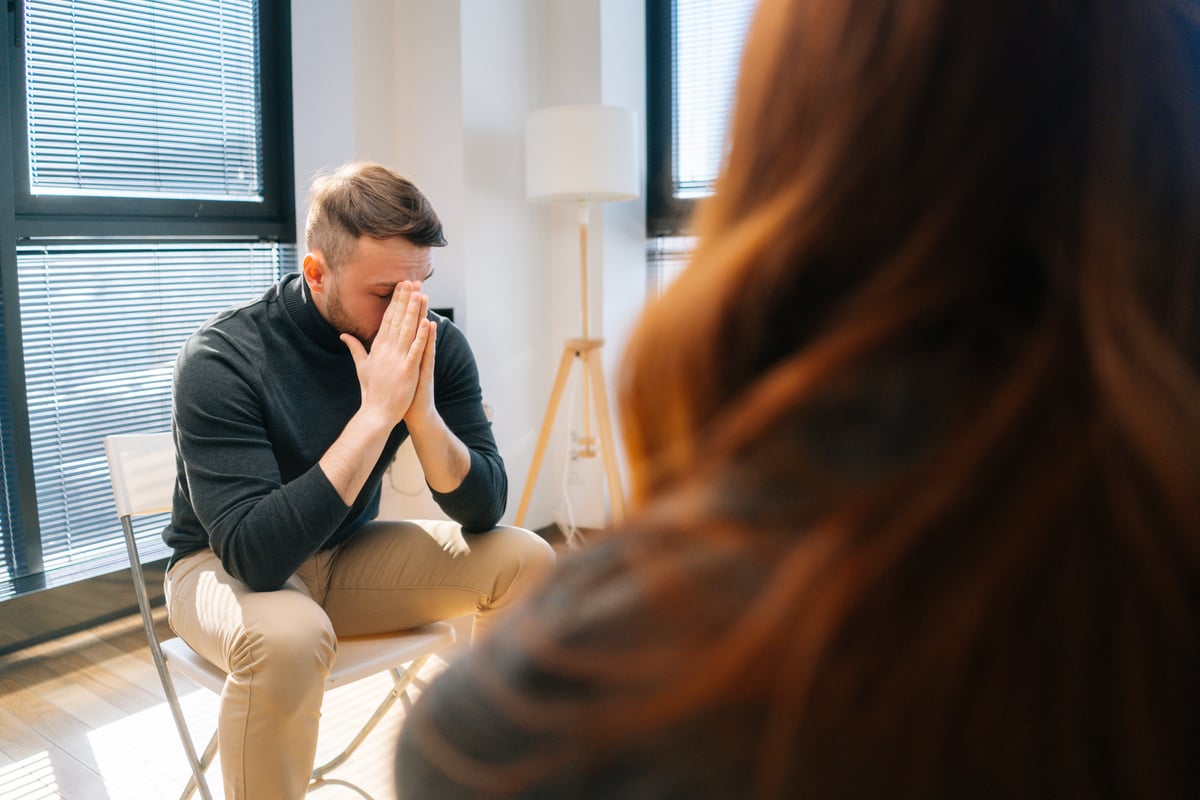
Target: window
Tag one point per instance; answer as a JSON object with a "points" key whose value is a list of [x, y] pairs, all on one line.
{"points": [[118, 106], [693, 50], [666, 257], [99, 354], [150, 147]]}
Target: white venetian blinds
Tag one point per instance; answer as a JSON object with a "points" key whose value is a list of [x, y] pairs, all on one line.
{"points": [[154, 172], [143, 98], [707, 46], [101, 327]]}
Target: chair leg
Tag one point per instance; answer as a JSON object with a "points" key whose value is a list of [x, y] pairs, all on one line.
{"points": [[210, 752], [400, 684], [197, 779], [160, 664]]}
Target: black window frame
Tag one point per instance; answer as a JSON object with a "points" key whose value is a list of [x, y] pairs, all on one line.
{"points": [[103, 217], [666, 215], [28, 219]]}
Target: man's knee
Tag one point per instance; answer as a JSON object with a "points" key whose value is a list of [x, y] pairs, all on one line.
{"points": [[525, 545], [521, 556], [297, 638]]}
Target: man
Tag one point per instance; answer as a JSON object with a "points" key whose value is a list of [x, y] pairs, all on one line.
{"points": [[287, 411]]}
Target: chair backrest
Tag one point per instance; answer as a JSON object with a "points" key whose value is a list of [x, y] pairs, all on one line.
{"points": [[141, 467]]}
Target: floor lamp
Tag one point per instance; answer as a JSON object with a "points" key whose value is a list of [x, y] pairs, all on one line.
{"points": [[582, 155]]}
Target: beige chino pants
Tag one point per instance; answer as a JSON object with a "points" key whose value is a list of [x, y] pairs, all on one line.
{"points": [[278, 647]]}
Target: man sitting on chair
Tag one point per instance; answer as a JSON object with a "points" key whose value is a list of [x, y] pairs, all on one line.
{"points": [[287, 411]]}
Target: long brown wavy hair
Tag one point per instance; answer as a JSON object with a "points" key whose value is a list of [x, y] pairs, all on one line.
{"points": [[938, 344], [915, 438]]}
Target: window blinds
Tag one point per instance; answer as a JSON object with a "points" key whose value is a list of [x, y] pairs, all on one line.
{"points": [[128, 108], [10, 555], [143, 98], [102, 326], [666, 258], [707, 46]]}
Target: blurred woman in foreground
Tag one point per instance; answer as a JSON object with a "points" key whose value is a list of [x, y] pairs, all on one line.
{"points": [[915, 441]]}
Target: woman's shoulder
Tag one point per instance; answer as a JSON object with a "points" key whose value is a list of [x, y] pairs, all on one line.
{"points": [[533, 697]]}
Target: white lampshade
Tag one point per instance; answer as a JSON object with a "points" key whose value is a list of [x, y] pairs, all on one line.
{"points": [[581, 153]]}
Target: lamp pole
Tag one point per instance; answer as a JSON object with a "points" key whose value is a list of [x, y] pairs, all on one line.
{"points": [[586, 441], [583, 154], [585, 351]]}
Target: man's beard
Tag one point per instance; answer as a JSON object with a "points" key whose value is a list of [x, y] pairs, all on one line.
{"points": [[341, 321]]}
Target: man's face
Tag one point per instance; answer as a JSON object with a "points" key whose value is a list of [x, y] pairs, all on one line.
{"points": [[358, 292]]}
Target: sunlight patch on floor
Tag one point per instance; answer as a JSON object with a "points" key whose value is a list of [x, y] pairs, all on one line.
{"points": [[31, 778], [141, 754]]}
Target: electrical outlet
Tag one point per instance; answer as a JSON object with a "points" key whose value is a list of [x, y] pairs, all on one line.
{"points": [[585, 488], [575, 471]]}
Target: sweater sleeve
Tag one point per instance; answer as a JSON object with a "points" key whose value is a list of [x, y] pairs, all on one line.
{"points": [[261, 528], [479, 501]]}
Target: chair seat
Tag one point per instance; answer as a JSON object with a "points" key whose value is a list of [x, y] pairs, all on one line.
{"points": [[142, 472], [357, 656]]}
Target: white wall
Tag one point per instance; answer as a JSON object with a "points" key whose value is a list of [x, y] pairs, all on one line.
{"points": [[439, 91], [323, 105]]}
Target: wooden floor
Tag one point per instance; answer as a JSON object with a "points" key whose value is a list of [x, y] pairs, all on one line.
{"points": [[83, 718]]}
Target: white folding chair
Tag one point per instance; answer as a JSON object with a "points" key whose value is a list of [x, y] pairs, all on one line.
{"points": [[141, 467]]}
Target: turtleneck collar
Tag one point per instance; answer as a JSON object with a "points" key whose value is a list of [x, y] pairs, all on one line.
{"points": [[300, 307]]}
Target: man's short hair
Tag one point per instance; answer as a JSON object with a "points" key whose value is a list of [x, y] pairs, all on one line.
{"points": [[364, 199]]}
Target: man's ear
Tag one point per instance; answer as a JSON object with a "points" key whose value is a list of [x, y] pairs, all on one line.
{"points": [[316, 272]]}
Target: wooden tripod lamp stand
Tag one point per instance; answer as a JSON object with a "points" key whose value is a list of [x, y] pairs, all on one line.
{"points": [[582, 155]]}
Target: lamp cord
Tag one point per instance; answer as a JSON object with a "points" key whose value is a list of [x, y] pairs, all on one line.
{"points": [[574, 536]]}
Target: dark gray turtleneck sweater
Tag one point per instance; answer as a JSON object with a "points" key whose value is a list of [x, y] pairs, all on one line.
{"points": [[261, 392]]}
